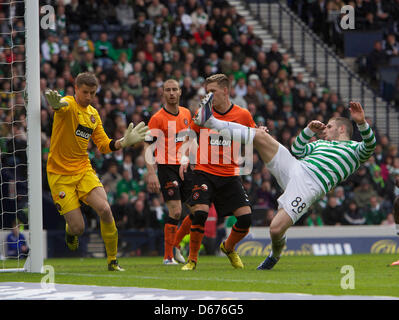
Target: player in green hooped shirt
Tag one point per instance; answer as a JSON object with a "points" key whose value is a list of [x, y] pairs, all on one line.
{"points": [[313, 168]]}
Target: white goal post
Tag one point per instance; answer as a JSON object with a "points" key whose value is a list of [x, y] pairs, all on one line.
{"points": [[34, 234], [34, 262]]}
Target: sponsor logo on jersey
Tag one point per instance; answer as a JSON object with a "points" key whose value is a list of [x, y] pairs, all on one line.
{"points": [[84, 132], [179, 139], [216, 140], [92, 119]]}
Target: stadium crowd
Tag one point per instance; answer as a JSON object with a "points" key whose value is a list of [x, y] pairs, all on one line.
{"points": [[323, 16], [132, 47]]}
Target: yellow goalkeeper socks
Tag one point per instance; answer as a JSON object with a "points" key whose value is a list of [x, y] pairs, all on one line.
{"points": [[109, 234]]}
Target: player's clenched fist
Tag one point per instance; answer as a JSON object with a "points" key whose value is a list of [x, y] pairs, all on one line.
{"points": [[54, 99], [134, 135], [316, 126]]}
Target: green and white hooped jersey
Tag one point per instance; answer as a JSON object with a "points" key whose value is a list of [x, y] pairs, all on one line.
{"points": [[331, 162]]}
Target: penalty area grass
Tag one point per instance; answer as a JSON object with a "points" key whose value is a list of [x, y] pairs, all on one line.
{"points": [[371, 275]]}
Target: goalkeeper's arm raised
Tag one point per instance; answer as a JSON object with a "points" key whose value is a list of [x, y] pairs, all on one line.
{"points": [[54, 100]]}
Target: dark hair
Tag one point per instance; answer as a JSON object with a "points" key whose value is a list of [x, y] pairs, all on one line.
{"points": [[87, 78]]}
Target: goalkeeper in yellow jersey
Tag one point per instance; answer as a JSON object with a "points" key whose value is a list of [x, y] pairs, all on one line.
{"points": [[70, 174]]}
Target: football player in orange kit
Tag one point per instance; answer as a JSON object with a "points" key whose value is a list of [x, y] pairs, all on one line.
{"points": [[219, 182], [70, 174], [170, 128]]}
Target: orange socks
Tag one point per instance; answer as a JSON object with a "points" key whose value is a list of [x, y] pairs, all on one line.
{"points": [[183, 230], [236, 235], [169, 239], [196, 236]]}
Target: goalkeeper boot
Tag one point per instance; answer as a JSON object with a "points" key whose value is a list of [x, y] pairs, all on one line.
{"points": [[178, 255], [233, 256], [72, 242], [204, 111], [114, 266], [268, 263], [190, 265]]}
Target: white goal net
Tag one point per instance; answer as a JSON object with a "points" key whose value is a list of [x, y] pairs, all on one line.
{"points": [[20, 150]]}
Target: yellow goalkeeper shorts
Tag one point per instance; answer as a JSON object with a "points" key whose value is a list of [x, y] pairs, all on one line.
{"points": [[68, 190]]}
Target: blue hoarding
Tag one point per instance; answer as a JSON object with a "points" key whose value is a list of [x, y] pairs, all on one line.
{"points": [[322, 246]]}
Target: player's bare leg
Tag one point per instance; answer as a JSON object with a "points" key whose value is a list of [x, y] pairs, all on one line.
{"points": [[170, 229], [266, 145], [74, 228], [97, 199], [396, 218], [278, 227]]}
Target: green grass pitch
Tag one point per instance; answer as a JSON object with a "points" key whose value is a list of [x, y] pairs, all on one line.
{"points": [[373, 275]]}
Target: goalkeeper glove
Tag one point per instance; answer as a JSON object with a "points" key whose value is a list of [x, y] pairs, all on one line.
{"points": [[54, 99], [134, 135]]}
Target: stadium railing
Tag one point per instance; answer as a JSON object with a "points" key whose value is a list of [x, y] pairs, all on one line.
{"points": [[324, 64]]}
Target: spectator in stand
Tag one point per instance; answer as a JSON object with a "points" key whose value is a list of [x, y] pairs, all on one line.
{"points": [[142, 218], [104, 51], [373, 211], [314, 219], [265, 197], [332, 213], [352, 215], [154, 9], [50, 47], [124, 13], [16, 243], [122, 210], [391, 46], [363, 193]]}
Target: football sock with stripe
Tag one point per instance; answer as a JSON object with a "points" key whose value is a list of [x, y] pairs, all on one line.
{"points": [[197, 234], [109, 233], [170, 230], [183, 230], [239, 230]]}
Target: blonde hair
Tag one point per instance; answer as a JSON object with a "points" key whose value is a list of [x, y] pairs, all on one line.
{"points": [[221, 79]]}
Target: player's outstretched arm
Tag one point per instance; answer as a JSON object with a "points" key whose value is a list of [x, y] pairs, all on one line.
{"points": [[54, 99], [367, 146], [134, 135], [357, 112]]}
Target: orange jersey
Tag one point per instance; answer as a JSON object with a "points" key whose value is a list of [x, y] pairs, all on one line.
{"points": [[73, 126], [217, 155], [170, 131]]}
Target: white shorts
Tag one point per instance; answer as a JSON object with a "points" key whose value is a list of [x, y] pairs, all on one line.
{"points": [[300, 188]]}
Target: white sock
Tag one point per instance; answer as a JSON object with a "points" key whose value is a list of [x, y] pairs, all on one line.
{"points": [[235, 131], [277, 247]]}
